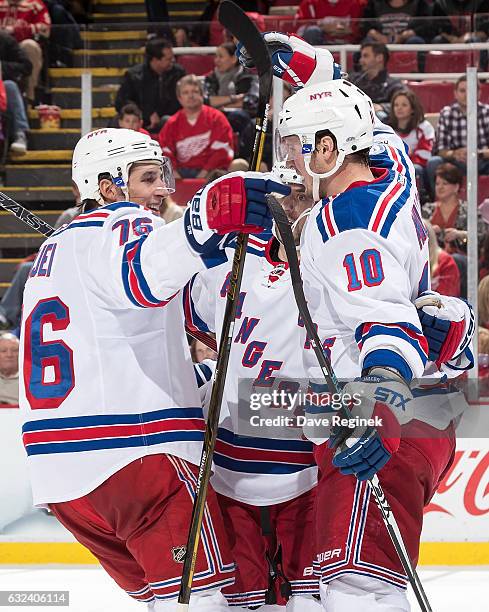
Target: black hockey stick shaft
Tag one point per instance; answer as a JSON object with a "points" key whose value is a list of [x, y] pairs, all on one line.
{"points": [[25, 215], [390, 522], [41, 226], [239, 24]]}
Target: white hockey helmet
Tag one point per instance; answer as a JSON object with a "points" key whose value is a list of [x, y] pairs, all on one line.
{"points": [[113, 151], [337, 106]]}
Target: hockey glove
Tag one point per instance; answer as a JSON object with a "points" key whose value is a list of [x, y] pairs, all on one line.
{"points": [[447, 323], [294, 60], [363, 448], [231, 204]]}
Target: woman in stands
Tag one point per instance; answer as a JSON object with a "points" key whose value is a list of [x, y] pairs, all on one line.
{"points": [[448, 214], [407, 119]]}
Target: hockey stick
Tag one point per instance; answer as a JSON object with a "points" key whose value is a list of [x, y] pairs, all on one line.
{"points": [[390, 522], [239, 24], [32, 220]]}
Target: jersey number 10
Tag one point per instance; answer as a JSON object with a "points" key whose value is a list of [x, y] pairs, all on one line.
{"points": [[371, 266]]}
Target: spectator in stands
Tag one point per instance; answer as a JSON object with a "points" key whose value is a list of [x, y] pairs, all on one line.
{"points": [[152, 85], [232, 86], [448, 213], [131, 118], [69, 214], [483, 302], [9, 369], [445, 276], [182, 37], [11, 302], [65, 34], [451, 137], [336, 21], [29, 23], [407, 119], [453, 19], [198, 138], [15, 66], [374, 79], [397, 21]]}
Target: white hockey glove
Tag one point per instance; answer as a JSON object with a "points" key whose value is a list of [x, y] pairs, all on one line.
{"points": [[448, 326], [231, 204], [294, 60], [363, 449]]}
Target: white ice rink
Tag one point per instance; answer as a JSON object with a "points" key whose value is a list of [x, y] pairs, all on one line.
{"points": [[449, 590]]}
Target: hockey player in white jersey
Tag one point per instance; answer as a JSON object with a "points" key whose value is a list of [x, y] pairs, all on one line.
{"points": [[364, 263], [113, 425], [264, 481]]}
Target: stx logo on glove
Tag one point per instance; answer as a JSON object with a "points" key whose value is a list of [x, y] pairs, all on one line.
{"points": [[389, 397]]}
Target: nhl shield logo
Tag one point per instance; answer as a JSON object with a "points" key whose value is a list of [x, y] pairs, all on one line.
{"points": [[178, 553]]}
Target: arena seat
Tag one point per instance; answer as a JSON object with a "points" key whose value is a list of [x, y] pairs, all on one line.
{"points": [[482, 189], [403, 61], [450, 61], [195, 63], [484, 93], [185, 189], [434, 95]]}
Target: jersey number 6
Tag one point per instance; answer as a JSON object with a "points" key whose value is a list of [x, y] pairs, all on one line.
{"points": [[48, 371], [371, 266]]}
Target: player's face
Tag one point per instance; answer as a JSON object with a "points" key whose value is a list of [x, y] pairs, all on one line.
{"points": [[294, 205], [289, 150], [203, 352], [402, 108], [147, 186]]}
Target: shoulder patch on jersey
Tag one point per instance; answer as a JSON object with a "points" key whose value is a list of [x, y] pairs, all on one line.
{"points": [[373, 206]]}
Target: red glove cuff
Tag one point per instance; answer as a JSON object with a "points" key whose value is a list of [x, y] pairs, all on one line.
{"points": [[452, 342], [226, 207]]}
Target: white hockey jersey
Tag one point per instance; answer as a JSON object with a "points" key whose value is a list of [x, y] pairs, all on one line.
{"points": [[105, 367], [255, 469], [364, 259]]}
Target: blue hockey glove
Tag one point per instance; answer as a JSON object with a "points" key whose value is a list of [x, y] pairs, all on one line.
{"points": [[447, 323], [381, 404], [294, 60]]}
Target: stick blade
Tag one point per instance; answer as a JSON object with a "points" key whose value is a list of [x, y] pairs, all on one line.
{"points": [[234, 19]]}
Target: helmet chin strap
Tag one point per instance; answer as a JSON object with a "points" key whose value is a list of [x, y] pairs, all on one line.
{"points": [[316, 178]]}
